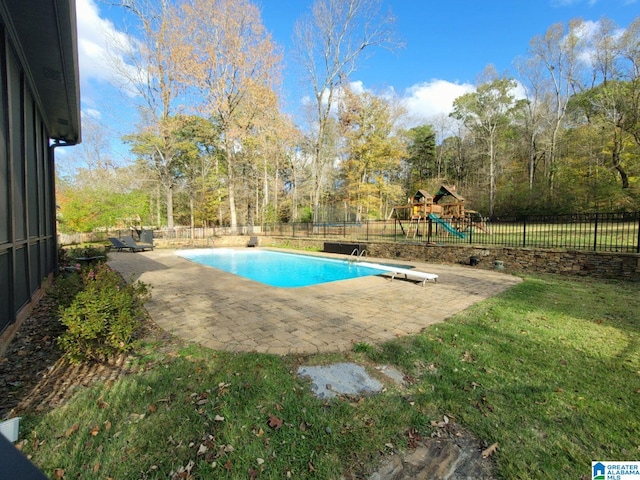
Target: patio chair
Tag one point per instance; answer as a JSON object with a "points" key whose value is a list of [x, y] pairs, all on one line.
{"points": [[253, 242], [117, 244], [134, 246]]}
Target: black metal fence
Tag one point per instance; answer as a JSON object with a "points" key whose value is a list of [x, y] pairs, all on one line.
{"points": [[606, 232]]}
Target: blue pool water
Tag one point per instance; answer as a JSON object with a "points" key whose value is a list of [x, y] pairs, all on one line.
{"points": [[278, 269]]}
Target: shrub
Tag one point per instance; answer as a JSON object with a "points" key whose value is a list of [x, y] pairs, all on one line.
{"points": [[65, 288], [104, 316]]}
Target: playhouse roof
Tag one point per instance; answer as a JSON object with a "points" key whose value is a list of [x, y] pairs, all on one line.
{"points": [[447, 190], [422, 193]]}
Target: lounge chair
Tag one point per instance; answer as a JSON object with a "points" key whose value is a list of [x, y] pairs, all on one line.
{"points": [[134, 246], [117, 244], [253, 242]]}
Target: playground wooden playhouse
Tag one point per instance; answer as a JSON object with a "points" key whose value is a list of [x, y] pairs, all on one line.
{"points": [[423, 210]]}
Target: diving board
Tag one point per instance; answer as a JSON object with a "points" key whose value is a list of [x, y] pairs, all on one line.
{"points": [[395, 271]]}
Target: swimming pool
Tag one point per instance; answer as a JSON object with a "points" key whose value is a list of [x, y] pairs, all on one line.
{"points": [[278, 269]]}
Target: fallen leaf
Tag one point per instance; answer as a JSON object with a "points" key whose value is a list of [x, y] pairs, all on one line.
{"points": [[227, 465], [96, 467], [107, 426], [153, 408], [260, 461], [442, 424], [58, 473], [278, 407], [229, 448], [95, 431], [303, 426], [490, 450], [70, 431], [136, 417], [102, 404], [275, 422], [218, 418], [311, 467], [202, 449], [253, 474]]}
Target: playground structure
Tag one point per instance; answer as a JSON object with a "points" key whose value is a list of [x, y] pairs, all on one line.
{"points": [[445, 210]]}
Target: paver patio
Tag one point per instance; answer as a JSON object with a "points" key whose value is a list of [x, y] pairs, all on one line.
{"points": [[226, 312]]}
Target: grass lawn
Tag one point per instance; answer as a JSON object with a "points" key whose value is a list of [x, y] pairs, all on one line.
{"points": [[550, 370]]}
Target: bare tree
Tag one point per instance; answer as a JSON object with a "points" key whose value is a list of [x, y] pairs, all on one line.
{"points": [[535, 115], [150, 71], [556, 53], [234, 69], [329, 42], [487, 112]]}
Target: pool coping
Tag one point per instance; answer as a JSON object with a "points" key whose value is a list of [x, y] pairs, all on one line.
{"points": [[223, 311]]}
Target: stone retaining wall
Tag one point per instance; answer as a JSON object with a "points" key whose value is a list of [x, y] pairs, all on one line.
{"points": [[514, 260]]}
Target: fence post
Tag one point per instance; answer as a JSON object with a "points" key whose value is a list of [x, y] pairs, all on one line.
{"points": [[595, 235], [367, 236], [524, 231], [638, 240]]}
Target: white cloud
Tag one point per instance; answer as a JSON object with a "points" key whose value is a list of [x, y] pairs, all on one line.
{"points": [[100, 44], [424, 101], [356, 87], [91, 113], [94, 35], [430, 99]]}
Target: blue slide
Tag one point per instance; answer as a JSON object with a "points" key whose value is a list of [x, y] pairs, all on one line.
{"points": [[447, 226]]}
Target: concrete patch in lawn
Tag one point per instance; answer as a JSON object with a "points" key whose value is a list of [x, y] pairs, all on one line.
{"points": [[340, 379]]}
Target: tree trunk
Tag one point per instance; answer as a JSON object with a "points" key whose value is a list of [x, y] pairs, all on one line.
{"points": [[316, 181], [191, 219], [170, 206], [232, 204], [231, 186], [615, 159], [492, 175]]}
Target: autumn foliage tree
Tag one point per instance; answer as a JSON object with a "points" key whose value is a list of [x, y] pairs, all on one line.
{"points": [[330, 42], [233, 67], [563, 136], [372, 154]]}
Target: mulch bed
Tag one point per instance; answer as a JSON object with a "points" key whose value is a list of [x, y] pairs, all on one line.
{"points": [[34, 375]]}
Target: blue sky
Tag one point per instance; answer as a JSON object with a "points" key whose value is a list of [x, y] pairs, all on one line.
{"points": [[448, 43]]}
